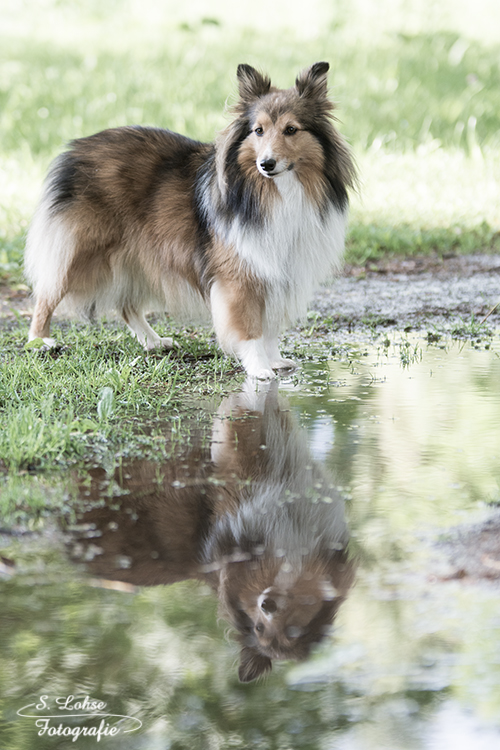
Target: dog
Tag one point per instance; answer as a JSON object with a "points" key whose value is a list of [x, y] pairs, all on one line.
{"points": [[139, 219], [250, 514]]}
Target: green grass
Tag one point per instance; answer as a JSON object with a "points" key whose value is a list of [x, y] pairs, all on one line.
{"points": [[373, 241], [99, 395]]}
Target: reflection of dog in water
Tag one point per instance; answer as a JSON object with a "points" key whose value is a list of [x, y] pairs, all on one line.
{"points": [[257, 519]]}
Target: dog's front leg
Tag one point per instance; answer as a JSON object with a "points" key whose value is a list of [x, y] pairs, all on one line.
{"points": [[237, 313], [277, 361]]}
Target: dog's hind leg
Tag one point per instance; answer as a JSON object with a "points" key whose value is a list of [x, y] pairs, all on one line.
{"points": [[143, 331], [50, 249], [42, 315]]}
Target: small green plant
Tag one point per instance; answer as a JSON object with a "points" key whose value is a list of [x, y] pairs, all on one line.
{"points": [[105, 404], [315, 317], [409, 354], [469, 329]]}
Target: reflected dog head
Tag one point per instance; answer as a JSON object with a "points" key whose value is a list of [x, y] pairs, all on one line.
{"points": [[281, 615]]}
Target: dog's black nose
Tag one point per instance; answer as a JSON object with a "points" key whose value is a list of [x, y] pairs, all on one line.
{"points": [[269, 606], [268, 165]]}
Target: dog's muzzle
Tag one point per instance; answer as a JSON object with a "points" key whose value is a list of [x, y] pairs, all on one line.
{"points": [[268, 166]]}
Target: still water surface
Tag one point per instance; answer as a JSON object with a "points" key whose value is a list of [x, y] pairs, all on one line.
{"points": [[335, 538]]}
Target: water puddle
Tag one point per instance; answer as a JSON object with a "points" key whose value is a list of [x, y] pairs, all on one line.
{"points": [[318, 566]]}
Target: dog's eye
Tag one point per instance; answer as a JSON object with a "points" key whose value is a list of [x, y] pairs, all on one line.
{"points": [[259, 628], [259, 131], [290, 130]]}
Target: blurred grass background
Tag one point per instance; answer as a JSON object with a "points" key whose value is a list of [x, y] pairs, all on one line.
{"points": [[417, 85]]}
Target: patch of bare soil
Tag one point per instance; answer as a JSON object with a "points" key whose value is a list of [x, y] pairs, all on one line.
{"points": [[14, 302], [415, 293], [472, 552]]}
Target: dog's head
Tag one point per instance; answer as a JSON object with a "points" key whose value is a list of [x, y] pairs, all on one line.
{"points": [[280, 123], [280, 612]]}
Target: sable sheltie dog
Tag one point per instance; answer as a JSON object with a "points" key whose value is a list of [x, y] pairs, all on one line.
{"points": [[252, 515], [138, 219]]}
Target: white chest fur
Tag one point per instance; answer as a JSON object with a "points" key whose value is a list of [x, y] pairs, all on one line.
{"points": [[294, 251]]}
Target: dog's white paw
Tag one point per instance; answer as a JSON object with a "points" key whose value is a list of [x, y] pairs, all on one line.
{"points": [[161, 343], [284, 364], [168, 343], [49, 343], [42, 344], [254, 359]]}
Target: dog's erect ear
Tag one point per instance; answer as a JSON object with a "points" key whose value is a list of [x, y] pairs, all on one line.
{"points": [[252, 84], [253, 664], [312, 82]]}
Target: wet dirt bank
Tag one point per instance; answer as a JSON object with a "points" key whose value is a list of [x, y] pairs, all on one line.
{"points": [[414, 293], [470, 553]]}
